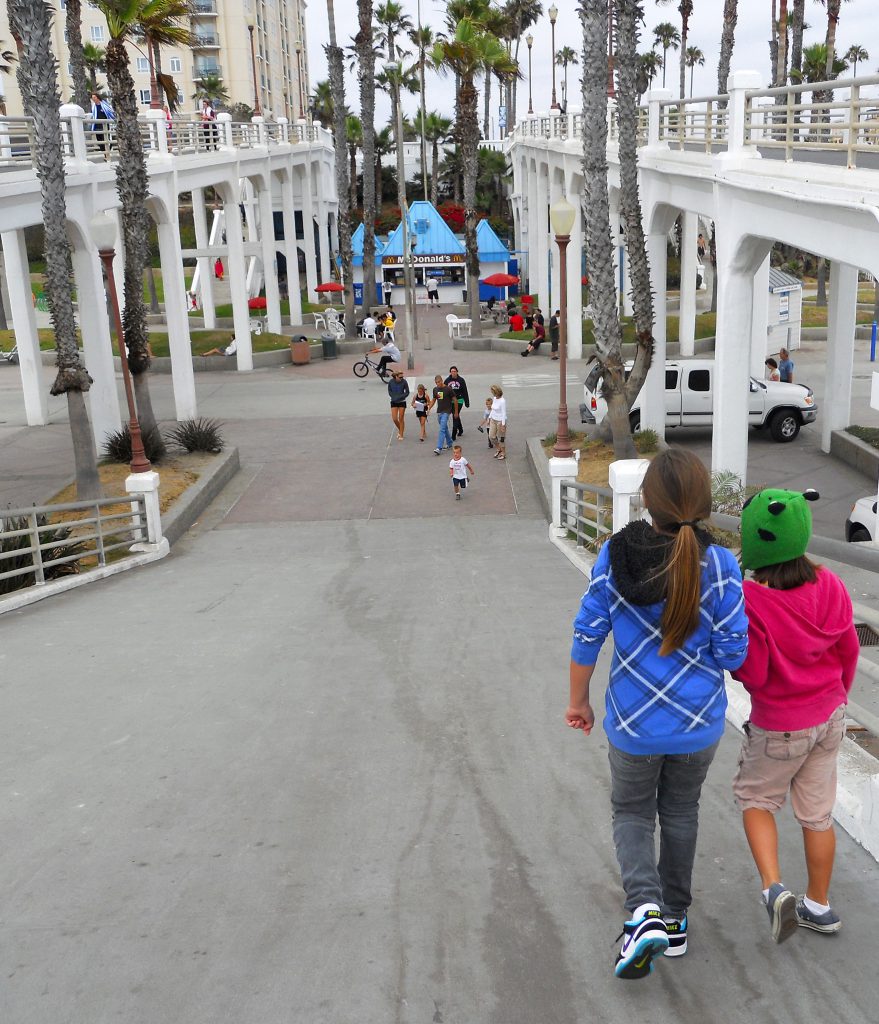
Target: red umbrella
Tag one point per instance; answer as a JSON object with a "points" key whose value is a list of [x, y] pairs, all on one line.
{"points": [[500, 280], [584, 279], [330, 286]]}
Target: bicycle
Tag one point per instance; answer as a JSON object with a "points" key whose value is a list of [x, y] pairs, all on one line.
{"points": [[362, 368]]}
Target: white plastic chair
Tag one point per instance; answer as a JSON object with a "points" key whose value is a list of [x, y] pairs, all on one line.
{"points": [[452, 321], [319, 320], [369, 332]]}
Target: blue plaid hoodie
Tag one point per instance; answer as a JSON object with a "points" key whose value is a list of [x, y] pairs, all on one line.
{"points": [[661, 705]]}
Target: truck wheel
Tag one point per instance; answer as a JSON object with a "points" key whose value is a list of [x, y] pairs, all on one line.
{"points": [[784, 426], [860, 534], [635, 422]]}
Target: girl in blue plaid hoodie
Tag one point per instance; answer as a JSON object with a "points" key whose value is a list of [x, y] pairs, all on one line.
{"points": [[673, 601]]}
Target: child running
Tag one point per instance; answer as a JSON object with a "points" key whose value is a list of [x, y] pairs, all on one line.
{"points": [[486, 421], [459, 467], [802, 655], [673, 601], [421, 405]]}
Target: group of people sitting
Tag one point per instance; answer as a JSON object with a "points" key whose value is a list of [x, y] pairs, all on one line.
{"points": [[378, 326]]}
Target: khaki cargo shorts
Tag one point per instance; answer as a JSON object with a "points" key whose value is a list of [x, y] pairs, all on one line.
{"points": [[497, 431], [802, 762]]}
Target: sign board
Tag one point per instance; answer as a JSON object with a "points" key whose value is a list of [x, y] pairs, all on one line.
{"points": [[426, 260], [784, 307]]}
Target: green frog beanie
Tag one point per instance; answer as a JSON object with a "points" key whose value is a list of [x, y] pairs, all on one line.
{"points": [[776, 527]]}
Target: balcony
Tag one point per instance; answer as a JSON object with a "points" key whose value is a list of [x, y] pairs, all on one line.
{"points": [[204, 41], [201, 8], [201, 70]]}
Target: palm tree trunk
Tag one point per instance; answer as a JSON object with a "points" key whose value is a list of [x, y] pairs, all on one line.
{"points": [[157, 65], [366, 71], [73, 26], [468, 124], [335, 62], [352, 176], [599, 243], [727, 41], [629, 14], [798, 12], [37, 79], [685, 8], [486, 116], [830, 38], [434, 173], [132, 187]]}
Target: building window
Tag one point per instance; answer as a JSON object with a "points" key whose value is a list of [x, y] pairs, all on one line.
{"points": [[70, 69], [175, 65], [97, 33], [144, 96], [143, 64]]}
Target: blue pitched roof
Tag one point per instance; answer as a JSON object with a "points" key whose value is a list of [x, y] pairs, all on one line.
{"points": [[430, 233], [357, 247], [491, 248]]}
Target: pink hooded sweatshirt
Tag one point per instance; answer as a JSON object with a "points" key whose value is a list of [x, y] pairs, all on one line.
{"points": [[802, 652]]}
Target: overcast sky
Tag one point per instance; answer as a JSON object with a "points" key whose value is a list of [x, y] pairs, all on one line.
{"points": [[858, 24]]}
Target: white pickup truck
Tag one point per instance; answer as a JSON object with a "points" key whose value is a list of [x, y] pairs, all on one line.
{"points": [[689, 400]]}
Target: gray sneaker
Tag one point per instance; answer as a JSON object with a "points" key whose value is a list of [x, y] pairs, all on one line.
{"points": [[828, 922], [782, 908]]}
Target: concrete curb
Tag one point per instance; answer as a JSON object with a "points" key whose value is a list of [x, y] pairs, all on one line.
{"points": [[856, 453], [857, 792], [195, 499]]}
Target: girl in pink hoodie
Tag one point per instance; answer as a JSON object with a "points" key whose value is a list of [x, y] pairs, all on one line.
{"points": [[802, 654]]}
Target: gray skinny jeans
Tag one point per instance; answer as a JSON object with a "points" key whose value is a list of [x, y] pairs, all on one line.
{"points": [[642, 787]]}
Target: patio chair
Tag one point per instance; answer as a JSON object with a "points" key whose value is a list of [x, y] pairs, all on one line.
{"points": [[320, 321], [11, 356]]}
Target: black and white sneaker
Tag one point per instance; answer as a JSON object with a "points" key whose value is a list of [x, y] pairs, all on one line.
{"points": [[781, 906], [828, 922], [677, 935], [645, 937]]}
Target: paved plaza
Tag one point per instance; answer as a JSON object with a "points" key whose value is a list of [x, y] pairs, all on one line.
{"points": [[312, 767]]}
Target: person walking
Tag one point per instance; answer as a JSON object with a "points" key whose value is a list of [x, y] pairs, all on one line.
{"points": [[459, 467], [432, 291], [398, 390], [554, 334], [497, 425], [421, 405], [673, 601], [460, 399], [208, 124], [785, 366], [101, 114], [442, 399], [802, 656]]}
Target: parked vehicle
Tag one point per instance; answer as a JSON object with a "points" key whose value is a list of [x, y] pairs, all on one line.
{"points": [[689, 400], [861, 523]]}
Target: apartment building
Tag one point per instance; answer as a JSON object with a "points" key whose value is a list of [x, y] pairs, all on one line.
{"points": [[222, 32]]}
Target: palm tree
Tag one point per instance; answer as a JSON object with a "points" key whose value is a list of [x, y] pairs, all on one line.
{"points": [[695, 57], [211, 88], [436, 131], [393, 22], [322, 106], [565, 56], [6, 59], [335, 65], [354, 138], [797, 24], [31, 28], [423, 39], [833, 8], [125, 20], [364, 47], [727, 41], [467, 52], [685, 9], [596, 208], [162, 24], [667, 36], [856, 55], [93, 57], [520, 15], [73, 31], [650, 66], [383, 145]]}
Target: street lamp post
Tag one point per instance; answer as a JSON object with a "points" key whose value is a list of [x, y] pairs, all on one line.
{"points": [[529, 39], [562, 215], [257, 109], [300, 102], [394, 73], [103, 232], [553, 14]]}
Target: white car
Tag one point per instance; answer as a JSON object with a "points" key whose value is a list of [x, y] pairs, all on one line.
{"points": [[689, 400], [861, 523]]}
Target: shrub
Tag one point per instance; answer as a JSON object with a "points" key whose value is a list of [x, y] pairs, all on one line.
{"points": [[19, 556], [728, 495], [646, 441], [870, 435], [201, 435], [117, 445]]}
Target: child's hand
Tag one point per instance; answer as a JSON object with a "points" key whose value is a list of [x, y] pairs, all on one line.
{"points": [[581, 717]]}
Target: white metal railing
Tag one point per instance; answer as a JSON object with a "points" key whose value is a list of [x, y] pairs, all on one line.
{"points": [[696, 123], [38, 546], [586, 511]]}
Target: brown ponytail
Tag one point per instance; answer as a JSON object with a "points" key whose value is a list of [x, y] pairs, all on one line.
{"points": [[677, 493]]}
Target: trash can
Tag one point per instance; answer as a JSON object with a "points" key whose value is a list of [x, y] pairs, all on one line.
{"points": [[463, 294], [300, 353], [328, 341]]}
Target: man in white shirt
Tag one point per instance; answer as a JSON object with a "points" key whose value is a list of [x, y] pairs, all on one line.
{"points": [[390, 354], [368, 325]]}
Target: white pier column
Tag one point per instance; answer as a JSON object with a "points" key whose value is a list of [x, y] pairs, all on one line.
{"points": [[237, 279], [841, 314], [760, 321], [323, 242], [653, 400], [94, 325], [540, 242], [269, 263], [205, 270], [531, 237], [291, 250], [575, 286], [177, 318], [687, 322], [729, 443], [307, 184], [24, 323]]}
